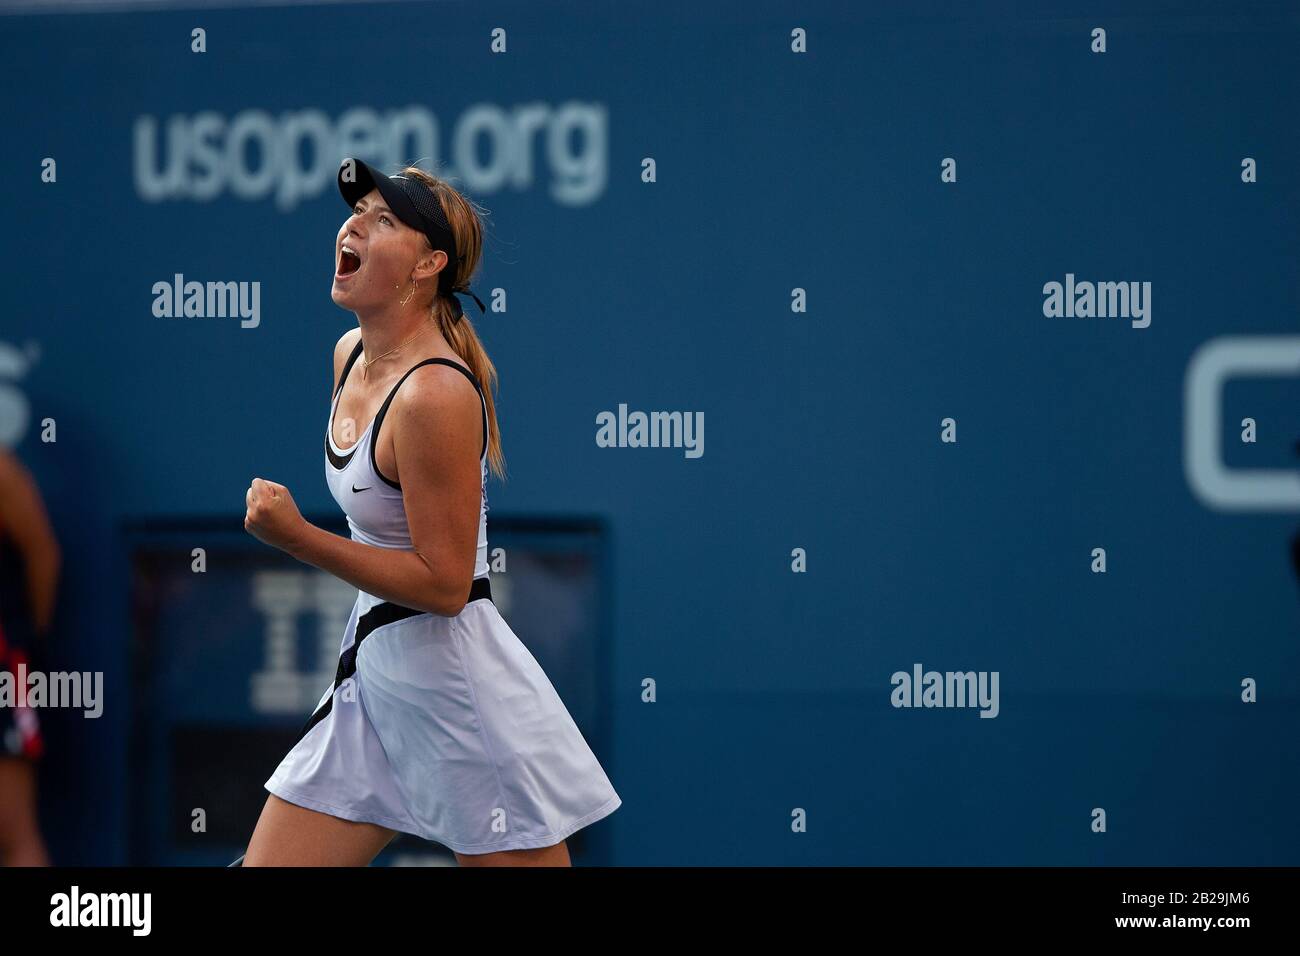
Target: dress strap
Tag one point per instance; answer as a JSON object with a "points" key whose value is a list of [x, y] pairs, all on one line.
{"points": [[352, 360]]}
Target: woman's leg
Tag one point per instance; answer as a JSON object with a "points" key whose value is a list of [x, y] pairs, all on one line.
{"points": [[20, 836], [557, 855], [290, 835]]}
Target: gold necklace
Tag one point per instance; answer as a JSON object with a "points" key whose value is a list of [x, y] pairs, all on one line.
{"points": [[366, 363]]}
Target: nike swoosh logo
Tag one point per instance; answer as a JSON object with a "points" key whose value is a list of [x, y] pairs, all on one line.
{"points": [[357, 491]]}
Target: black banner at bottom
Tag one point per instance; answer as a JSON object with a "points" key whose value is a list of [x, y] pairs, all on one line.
{"points": [[314, 906]]}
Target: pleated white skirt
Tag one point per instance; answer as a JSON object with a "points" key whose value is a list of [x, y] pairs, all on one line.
{"points": [[449, 729]]}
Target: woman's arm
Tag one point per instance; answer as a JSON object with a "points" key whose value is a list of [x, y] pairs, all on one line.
{"points": [[437, 440], [22, 512], [402, 577], [437, 431]]}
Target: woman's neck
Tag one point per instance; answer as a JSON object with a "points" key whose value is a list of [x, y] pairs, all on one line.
{"points": [[386, 331]]}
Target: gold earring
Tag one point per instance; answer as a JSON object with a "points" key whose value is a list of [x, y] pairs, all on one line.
{"points": [[409, 294]]}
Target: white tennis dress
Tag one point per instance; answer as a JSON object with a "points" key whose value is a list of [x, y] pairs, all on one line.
{"points": [[445, 727]]}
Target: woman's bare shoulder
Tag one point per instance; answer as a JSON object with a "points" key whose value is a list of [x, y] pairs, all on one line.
{"points": [[342, 349], [436, 389]]}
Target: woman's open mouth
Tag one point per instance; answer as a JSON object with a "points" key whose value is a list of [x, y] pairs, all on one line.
{"points": [[349, 263]]}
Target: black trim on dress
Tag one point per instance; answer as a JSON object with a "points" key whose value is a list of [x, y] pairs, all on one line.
{"points": [[383, 613], [340, 461]]}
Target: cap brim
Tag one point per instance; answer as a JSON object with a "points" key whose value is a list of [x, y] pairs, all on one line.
{"points": [[366, 178], [362, 181]]}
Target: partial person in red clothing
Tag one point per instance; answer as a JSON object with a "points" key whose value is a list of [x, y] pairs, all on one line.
{"points": [[29, 572]]}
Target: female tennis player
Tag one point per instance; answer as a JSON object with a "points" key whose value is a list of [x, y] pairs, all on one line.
{"points": [[439, 722]]}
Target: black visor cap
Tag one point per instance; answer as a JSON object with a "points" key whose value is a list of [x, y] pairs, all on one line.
{"points": [[410, 200]]}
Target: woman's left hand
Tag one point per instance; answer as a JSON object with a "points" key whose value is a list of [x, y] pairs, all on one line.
{"points": [[272, 517]]}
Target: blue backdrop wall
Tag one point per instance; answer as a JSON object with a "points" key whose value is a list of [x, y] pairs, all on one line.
{"points": [[829, 171]]}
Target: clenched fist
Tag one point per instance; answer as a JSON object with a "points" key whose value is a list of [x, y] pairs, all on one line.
{"points": [[272, 516]]}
